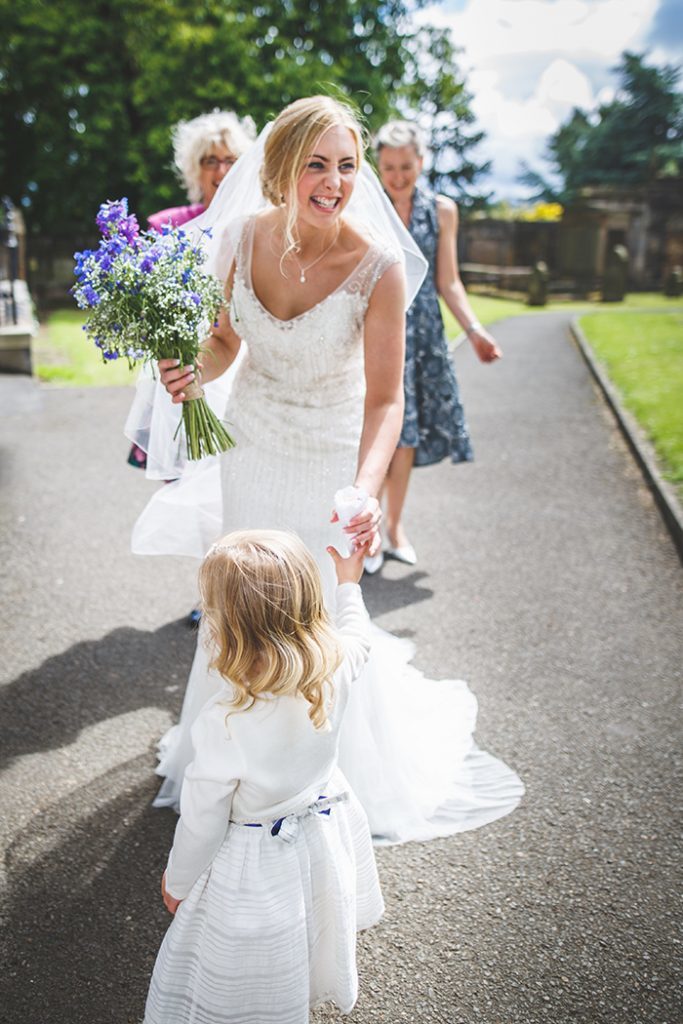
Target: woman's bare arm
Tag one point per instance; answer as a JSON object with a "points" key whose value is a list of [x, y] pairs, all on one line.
{"points": [[383, 414], [451, 288]]}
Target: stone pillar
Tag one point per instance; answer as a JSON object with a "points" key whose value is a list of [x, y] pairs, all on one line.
{"points": [[17, 324], [15, 348]]}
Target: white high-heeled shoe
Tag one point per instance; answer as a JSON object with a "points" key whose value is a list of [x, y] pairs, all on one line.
{"points": [[405, 553], [373, 563]]}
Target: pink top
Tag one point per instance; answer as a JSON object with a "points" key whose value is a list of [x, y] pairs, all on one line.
{"points": [[176, 216]]}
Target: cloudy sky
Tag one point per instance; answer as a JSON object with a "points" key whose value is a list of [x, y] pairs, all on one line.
{"points": [[529, 62]]}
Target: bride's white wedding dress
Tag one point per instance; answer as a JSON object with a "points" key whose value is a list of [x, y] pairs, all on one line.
{"points": [[296, 410]]}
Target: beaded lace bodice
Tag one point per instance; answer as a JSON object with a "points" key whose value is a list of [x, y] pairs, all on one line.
{"points": [[302, 378]]}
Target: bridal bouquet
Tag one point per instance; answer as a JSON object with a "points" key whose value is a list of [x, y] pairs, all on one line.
{"points": [[149, 299]]}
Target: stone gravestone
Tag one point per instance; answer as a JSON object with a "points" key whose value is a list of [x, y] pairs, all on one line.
{"points": [[537, 294], [673, 286], [616, 273]]}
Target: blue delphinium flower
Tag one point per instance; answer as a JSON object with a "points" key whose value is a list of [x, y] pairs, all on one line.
{"points": [[82, 259], [113, 220], [110, 215], [87, 296], [150, 258]]}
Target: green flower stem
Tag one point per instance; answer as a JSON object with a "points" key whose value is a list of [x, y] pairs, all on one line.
{"points": [[204, 432]]}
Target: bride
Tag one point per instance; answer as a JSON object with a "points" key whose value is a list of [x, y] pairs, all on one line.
{"points": [[316, 271]]}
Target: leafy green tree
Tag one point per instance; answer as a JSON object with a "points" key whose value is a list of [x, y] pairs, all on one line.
{"points": [[435, 95], [89, 89], [633, 140]]}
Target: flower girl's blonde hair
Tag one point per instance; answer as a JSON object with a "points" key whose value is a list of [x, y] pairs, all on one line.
{"points": [[262, 602]]}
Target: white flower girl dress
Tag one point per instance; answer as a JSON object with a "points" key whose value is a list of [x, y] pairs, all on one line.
{"points": [[272, 860]]}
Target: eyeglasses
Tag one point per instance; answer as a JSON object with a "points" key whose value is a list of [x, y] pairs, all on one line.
{"points": [[212, 163]]}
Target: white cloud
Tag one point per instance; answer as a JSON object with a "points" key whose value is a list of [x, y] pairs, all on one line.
{"points": [[562, 86], [530, 62], [605, 95], [576, 28]]}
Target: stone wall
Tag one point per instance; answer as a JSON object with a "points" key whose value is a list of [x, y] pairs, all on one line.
{"points": [[649, 222], [508, 243]]}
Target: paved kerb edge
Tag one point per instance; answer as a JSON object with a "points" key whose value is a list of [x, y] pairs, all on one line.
{"points": [[664, 495]]}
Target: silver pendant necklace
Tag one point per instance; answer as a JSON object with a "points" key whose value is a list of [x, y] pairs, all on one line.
{"points": [[303, 270]]}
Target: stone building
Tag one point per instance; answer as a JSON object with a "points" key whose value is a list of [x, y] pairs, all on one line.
{"points": [[647, 220]]}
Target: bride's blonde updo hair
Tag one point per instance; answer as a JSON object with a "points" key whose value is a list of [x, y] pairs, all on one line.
{"points": [[292, 139], [262, 601]]}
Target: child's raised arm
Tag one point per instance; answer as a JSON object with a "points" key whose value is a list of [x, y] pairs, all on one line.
{"points": [[352, 618], [349, 569]]}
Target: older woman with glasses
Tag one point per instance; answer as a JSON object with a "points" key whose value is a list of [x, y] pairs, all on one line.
{"points": [[204, 150]]}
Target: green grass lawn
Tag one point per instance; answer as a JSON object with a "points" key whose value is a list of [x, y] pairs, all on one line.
{"points": [[62, 354], [643, 356], [642, 352], [489, 309]]}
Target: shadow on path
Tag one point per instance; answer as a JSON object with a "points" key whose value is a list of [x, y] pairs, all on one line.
{"points": [[128, 669], [92, 681], [382, 594], [86, 917]]}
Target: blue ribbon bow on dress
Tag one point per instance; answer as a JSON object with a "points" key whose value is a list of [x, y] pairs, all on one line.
{"points": [[286, 828]]}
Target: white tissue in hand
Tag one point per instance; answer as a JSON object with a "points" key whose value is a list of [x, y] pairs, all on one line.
{"points": [[348, 502]]}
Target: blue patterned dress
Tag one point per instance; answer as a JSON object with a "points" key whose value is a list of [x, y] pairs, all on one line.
{"points": [[434, 421]]}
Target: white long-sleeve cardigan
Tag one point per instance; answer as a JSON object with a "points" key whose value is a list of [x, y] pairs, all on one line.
{"points": [[263, 763]]}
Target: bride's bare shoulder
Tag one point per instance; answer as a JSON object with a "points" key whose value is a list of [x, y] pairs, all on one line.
{"points": [[264, 221], [363, 240], [355, 239]]}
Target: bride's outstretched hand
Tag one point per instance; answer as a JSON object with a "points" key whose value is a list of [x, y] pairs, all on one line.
{"points": [[175, 378], [363, 529]]}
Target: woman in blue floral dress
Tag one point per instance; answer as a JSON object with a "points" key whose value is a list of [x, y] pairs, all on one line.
{"points": [[434, 427]]}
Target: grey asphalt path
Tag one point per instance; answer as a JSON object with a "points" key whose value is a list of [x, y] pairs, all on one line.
{"points": [[545, 578]]}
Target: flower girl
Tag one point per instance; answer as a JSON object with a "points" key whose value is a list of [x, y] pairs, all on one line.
{"points": [[271, 871]]}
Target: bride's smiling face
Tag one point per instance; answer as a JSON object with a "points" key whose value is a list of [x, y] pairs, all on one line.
{"points": [[329, 174]]}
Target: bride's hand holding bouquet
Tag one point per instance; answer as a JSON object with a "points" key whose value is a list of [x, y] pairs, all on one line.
{"points": [[149, 300]]}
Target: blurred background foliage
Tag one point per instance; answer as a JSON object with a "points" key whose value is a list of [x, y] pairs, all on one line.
{"points": [[89, 90], [635, 139]]}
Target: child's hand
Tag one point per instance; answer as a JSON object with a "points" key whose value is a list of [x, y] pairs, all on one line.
{"points": [[170, 902], [350, 569]]}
